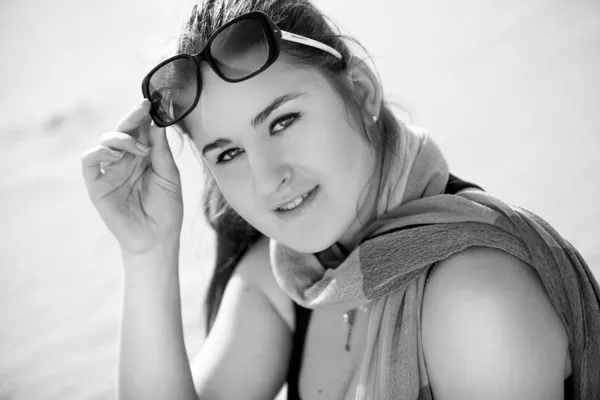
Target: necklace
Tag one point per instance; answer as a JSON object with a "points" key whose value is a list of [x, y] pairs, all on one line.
{"points": [[330, 258], [350, 319]]}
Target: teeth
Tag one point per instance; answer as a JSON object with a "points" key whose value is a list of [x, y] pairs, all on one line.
{"points": [[293, 204]]}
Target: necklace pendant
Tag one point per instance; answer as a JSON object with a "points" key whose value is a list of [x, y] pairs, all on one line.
{"points": [[349, 318]]}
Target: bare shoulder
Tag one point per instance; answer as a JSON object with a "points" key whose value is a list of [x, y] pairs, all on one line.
{"points": [[488, 326], [255, 270], [484, 271]]}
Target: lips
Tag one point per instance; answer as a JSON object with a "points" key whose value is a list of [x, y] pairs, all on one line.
{"points": [[289, 200], [294, 203], [294, 207]]}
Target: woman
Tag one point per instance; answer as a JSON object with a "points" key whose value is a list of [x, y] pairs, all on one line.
{"points": [[416, 294]]}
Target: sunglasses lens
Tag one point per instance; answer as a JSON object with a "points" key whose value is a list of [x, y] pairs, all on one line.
{"points": [[241, 49], [172, 89]]}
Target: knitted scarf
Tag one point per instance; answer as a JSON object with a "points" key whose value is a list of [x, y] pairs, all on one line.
{"points": [[417, 226]]}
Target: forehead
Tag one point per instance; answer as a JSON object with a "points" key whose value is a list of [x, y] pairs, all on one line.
{"points": [[225, 108]]}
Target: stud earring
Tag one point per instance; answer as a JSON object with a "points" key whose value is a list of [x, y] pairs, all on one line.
{"points": [[374, 118]]}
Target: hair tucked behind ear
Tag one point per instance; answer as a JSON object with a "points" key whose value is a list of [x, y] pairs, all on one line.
{"points": [[234, 235]]}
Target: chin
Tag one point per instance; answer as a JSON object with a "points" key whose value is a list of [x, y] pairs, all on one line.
{"points": [[309, 243]]}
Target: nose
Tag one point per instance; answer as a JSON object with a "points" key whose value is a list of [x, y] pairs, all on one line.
{"points": [[269, 173]]}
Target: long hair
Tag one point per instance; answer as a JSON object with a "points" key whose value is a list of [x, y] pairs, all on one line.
{"points": [[234, 236]]}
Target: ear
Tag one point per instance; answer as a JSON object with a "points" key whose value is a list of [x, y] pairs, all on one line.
{"points": [[367, 88]]}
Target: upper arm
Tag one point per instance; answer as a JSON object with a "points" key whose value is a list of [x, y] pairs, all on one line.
{"points": [[489, 330], [245, 356]]}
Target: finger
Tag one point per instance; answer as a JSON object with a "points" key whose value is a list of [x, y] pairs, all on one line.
{"points": [[124, 142], [135, 118], [161, 155], [91, 161]]}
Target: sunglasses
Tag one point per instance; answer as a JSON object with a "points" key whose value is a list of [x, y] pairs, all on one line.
{"points": [[239, 50]]}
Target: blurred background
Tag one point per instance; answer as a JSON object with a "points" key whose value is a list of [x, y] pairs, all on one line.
{"points": [[509, 88]]}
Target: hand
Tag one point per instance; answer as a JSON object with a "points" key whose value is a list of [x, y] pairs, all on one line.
{"points": [[134, 183]]}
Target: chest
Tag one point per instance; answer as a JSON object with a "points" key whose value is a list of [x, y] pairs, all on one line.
{"points": [[329, 370]]}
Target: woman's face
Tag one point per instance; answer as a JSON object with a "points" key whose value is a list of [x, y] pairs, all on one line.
{"points": [[285, 154]]}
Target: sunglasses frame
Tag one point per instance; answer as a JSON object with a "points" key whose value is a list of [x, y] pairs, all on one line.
{"points": [[273, 36]]}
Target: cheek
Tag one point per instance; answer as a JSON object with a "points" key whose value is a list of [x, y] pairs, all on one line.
{"points": [[350, 168], [344, 154], [236, 186], [230, 187], [337, 143]]}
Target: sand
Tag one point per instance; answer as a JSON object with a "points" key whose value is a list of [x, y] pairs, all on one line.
{"points": [[510, 91]]}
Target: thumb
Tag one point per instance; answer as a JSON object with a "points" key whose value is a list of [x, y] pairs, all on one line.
{"points": [[161, 155]]}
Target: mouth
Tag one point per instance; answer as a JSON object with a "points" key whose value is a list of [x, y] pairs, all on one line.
{"points": [[296, 206]]}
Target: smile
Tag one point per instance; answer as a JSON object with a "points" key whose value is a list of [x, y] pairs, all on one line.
{"points": [[296, 205], [293, 204]]}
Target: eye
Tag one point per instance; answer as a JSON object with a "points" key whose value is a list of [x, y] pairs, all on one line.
{"points": [[282, 123], [228, 155]]}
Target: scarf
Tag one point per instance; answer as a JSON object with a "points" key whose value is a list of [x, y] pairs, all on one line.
{"points": [[416, 226]]}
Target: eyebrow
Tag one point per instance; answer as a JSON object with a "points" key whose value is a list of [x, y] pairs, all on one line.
{"points": [[215, 145], [275, 104], [256, 121]]}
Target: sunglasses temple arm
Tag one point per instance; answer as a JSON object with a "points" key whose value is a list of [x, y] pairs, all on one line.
{"points": [[291, 37]]}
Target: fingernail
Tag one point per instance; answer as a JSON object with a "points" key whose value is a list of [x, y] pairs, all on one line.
{"points": [[115, 153], [141, 146]]}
